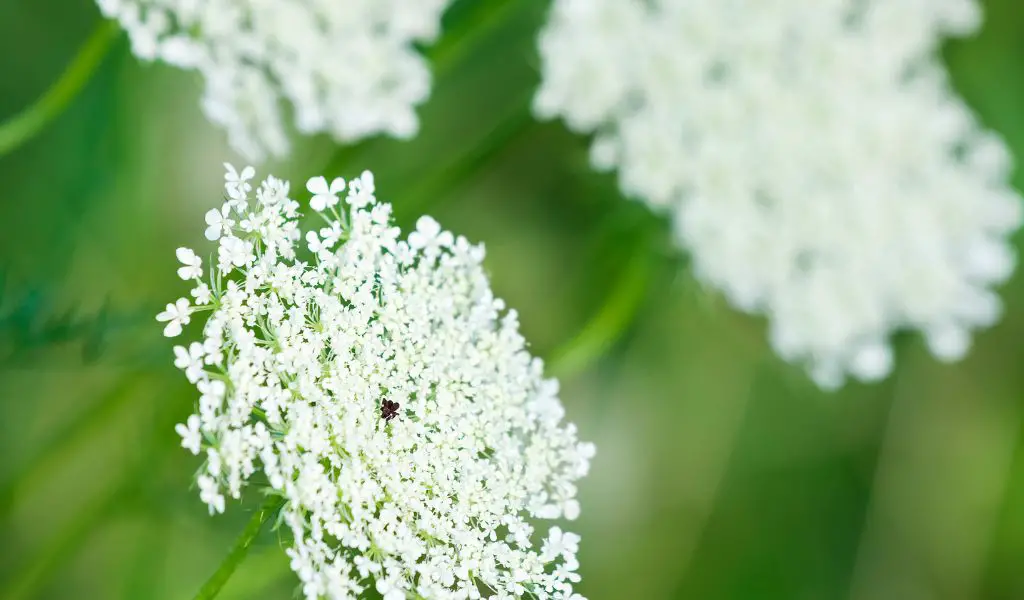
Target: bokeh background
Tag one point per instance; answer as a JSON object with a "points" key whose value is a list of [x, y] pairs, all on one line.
{"points": [[722, 473]]}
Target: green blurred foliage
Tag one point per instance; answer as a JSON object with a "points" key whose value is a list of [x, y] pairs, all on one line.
{"points": [[721, 474]]}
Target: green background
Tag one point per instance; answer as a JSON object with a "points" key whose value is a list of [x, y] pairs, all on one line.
{"points": [[721, 473]]}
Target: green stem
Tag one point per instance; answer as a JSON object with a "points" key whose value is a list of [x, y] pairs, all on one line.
{"points": [[444, 56], [216, 582], [455, 42], [609, 323], [442, 180], [24, 126]]}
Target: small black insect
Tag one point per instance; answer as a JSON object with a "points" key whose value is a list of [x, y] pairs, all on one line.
{"points": [[389, 410]]}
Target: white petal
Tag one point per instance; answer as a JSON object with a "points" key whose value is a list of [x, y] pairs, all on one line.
{"points": [[167, 314], [428, 226], [317, 185], [367, 178], [948, 343], [572, 510], [872, 363]]}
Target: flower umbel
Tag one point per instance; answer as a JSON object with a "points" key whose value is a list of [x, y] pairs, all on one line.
{"points": [[380, 389], [349, 69], [816, 163]]}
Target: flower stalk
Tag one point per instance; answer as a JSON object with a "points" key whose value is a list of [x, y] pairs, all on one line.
{"points": [[26, 125], [240, 549], [609, 323]]}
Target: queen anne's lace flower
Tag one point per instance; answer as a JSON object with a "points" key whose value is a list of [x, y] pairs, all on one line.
{"points": [[815, 162], [347, 68], [377, 387]]}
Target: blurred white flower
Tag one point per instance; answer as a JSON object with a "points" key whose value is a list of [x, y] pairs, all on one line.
{"points": [[217, 223], [234, 252], [377, 387], [361, 190], [323, 196], [817, 166], [560, 543], [201, 293], [190, 360], [193, 265], [176, 315], [237, 184], [209, 492], [428, 236], [191, 439], [348, 69]]}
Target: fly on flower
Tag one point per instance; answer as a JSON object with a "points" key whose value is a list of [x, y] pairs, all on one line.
{"points": [[389, 410]]}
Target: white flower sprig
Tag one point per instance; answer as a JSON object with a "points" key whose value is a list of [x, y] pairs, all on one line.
{"points": [[377, 386], [349, 69], [816, 164]]}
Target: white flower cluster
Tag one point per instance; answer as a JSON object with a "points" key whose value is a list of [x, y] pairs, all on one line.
{"points": [[349, 69], [379, 387], [817, 165]]}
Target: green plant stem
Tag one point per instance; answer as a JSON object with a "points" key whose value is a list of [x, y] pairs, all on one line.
{"points": [[609, 323], [25, 125], [444, 56], [453, 43], [234, 558], [429, 192]]}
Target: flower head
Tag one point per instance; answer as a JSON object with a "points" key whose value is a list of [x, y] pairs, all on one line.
{"points": [[349, 69], [378, 387], [817, 166]]}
